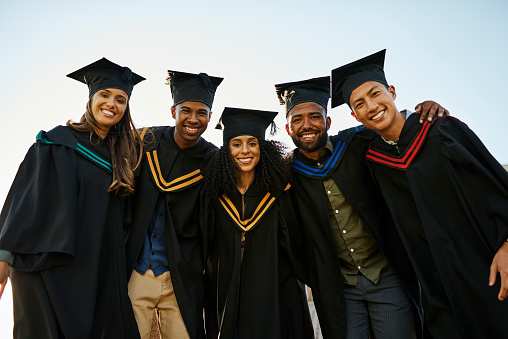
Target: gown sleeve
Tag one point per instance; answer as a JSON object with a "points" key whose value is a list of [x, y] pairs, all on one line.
{"points": [[296, 247], [38, 219], [480, 178]]}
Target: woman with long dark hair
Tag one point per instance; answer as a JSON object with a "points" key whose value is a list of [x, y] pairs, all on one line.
{"points": [[252, 290], [61, 227]]}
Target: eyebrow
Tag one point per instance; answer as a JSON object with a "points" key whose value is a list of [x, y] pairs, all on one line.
{"points": [[199, 110], [120, 95], [310, 113], [370, 91], [239, 140]]}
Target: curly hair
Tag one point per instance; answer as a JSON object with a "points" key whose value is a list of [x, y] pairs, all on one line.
{"points": [[272, 172], [121, 142]]}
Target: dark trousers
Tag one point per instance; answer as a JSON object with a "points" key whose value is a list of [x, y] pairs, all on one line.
{"points": [[382, 309]]}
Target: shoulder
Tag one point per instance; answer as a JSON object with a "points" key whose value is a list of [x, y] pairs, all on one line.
{"points": [[206, 145], [290, 157], [60, 135], [151, 136], [357, 132]]}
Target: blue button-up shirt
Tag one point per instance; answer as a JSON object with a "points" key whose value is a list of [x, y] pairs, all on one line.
{"points": [[154, 251]]}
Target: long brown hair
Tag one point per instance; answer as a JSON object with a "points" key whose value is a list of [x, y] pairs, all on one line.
{"points": [[121, 142]]}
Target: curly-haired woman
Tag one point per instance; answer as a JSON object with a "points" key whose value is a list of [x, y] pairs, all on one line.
{"points": [[252, 290]]}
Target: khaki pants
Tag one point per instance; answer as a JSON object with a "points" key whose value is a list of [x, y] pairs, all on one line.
{"points": [[148, 292]]}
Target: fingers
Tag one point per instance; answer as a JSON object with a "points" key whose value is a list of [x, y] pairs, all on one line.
{"points": [[2, 287], [428, 109], [503, 291], [493, 273], [418, 108]]}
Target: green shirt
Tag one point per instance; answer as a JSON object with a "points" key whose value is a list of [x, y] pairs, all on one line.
{"points": [[356, 248]]}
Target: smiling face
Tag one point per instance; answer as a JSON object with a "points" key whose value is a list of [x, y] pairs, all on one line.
{"points": [[307, 124], [245, 152], [192, 118], [108, 107], [374, 106]]}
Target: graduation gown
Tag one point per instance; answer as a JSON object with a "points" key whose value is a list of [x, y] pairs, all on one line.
{"points": [[448, 197], [258, 294], [67, 236], [167, 169], [348, 168]]}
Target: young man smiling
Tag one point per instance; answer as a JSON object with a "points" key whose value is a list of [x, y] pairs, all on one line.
{"points": [[448, 198], [351, 244], [164, 248]]}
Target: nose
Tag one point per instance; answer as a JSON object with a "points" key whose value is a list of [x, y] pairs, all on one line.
{"points": [[193, 117], [306, 123], [111, 101], [371, 105], [245, 148]]}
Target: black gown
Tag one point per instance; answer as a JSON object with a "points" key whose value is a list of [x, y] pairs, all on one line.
{"points": [[260, 293], [167, 169], [449, 199], [349, 170], [67, 236]]}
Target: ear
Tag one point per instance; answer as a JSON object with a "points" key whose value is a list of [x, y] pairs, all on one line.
{"points": [[391, 89], [353, 114], [173, 112], [328, 122], [209, 116], [287, 130]]}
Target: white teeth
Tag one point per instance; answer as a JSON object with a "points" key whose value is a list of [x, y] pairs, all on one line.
{"points": [[191, 129], [245, 160], [108, 113], [377, 116], [308, 136]]}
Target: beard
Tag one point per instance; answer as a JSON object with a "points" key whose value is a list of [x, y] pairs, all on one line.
{"points": [[312, 147]]}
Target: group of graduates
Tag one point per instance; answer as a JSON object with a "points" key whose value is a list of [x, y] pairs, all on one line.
{"points": [[399, 226]]}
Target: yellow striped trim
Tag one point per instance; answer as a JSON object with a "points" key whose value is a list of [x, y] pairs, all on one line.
{"points": [[178, 183], [246, 225], [143, 132], [287, 187]]}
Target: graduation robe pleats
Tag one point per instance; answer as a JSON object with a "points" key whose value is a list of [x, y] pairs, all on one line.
{"points": [[67, 235], [260, 293], [349, 170], [448, 197], [166, 169]]}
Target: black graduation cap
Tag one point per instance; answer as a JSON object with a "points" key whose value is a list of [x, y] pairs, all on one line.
{"points": [[347, 78], [106, 74], [239, 121], [312, 90], [192, 87]]}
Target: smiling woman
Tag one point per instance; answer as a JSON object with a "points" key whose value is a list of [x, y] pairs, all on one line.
{"points": [[108, 107], [247, 215], [245, 152], [62, 223]]}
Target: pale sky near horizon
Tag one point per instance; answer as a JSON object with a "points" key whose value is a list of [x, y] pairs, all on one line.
{"points": [[453, 52]]}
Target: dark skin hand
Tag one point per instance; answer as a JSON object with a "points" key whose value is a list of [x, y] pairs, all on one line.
{"points": [[429, 109]]}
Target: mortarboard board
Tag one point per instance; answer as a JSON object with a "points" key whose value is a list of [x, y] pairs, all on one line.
{"points": [[239, 121], [347, 78], [103, 74], [192, 87], [312, 90]]}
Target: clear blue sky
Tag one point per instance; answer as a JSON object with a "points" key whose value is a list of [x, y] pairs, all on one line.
{"points": [[453, 52]]}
